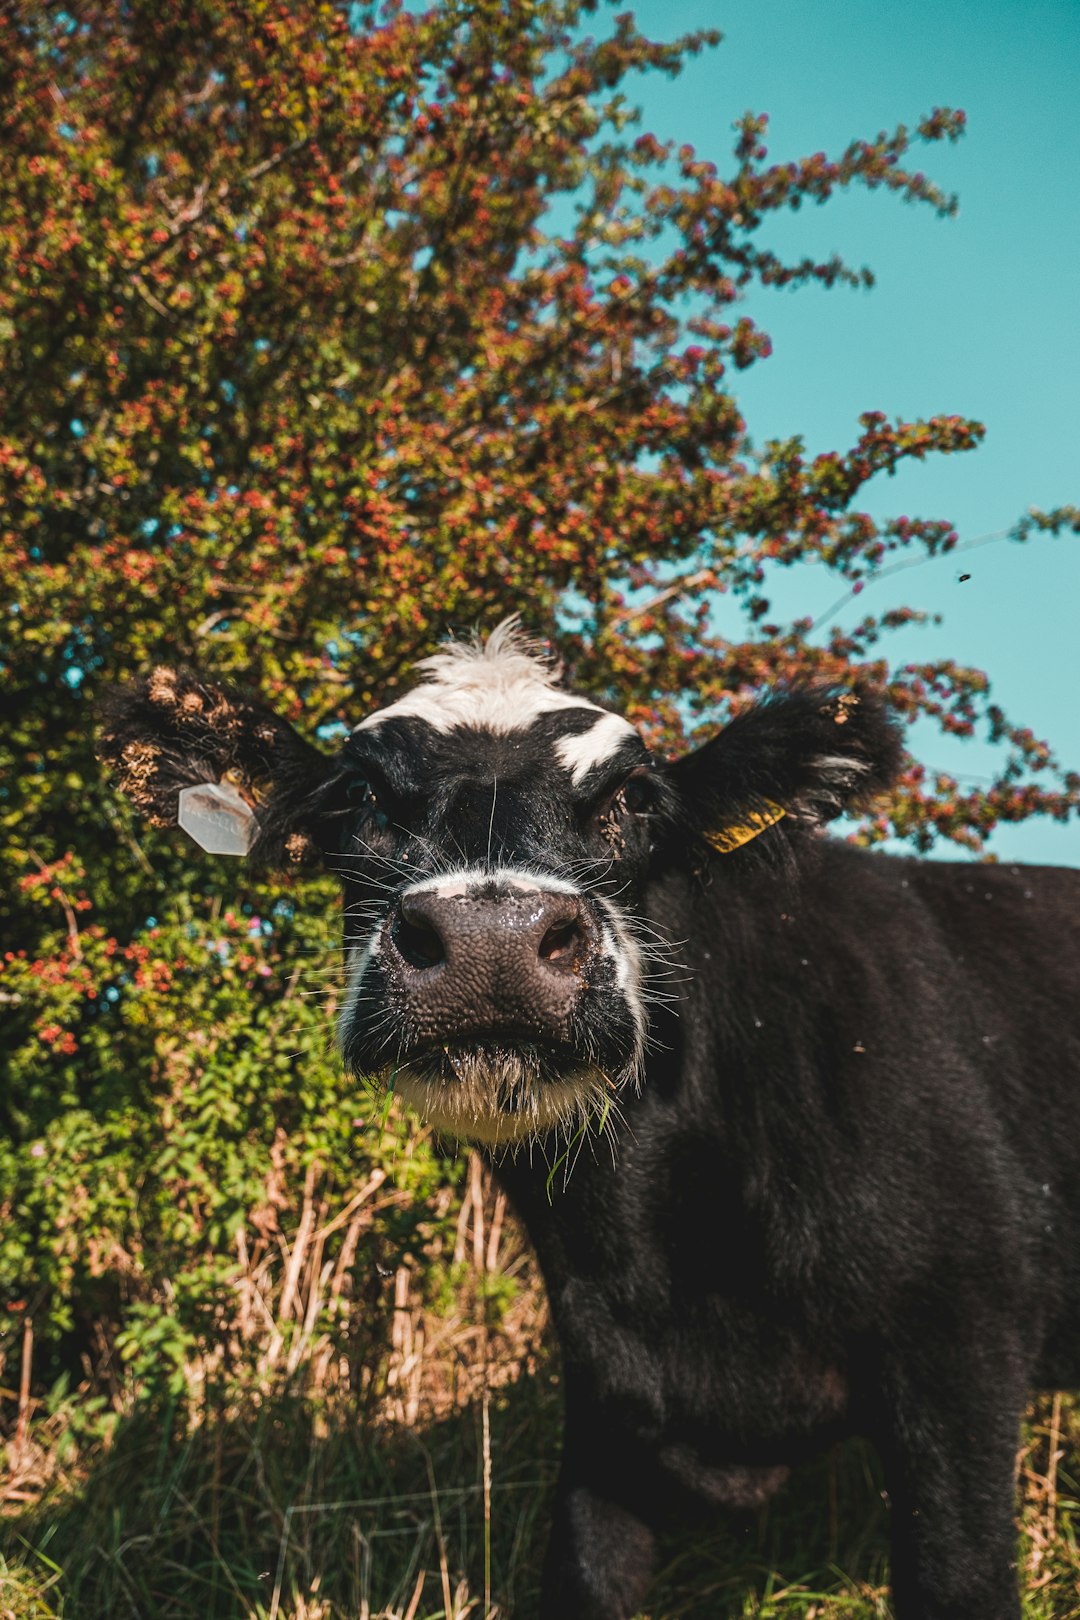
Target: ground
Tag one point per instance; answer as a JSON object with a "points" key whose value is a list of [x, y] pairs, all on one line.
{"points": [[302, 1501]]}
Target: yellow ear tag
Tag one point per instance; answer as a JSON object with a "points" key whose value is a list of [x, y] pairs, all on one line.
{"points": [[729, 838]]}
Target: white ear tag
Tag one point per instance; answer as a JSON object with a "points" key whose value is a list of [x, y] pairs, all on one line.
{"points": [[218, 818]]}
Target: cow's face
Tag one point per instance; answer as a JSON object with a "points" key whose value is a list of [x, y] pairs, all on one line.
{"points": [[498, 832], [494, 834]]}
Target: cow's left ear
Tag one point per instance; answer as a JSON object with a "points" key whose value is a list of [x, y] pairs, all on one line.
{"points": [[216, 762], [809, 754]]}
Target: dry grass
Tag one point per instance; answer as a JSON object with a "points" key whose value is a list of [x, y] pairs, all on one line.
{"points": [[341, 1404], [356, 1445]]}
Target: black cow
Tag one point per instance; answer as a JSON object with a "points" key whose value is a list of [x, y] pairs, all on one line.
{"points": [[825, 1181]]}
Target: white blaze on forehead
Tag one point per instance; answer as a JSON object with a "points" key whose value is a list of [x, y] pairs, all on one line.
{"points": [[502, 684], [579, 754]]}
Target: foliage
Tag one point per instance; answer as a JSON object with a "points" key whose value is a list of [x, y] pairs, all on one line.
{"points": [[190, 1107], [325, 331]]}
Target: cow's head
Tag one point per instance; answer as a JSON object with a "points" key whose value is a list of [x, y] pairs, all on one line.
{"points": [[495, 835]]}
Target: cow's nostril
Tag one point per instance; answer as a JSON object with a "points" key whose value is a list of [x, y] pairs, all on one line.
{"points": [[562, 944], [418, 943]]}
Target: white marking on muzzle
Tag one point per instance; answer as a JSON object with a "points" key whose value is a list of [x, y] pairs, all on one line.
{"points": [[467, 1107], [359, 959], [623, 948], [455, 885]]}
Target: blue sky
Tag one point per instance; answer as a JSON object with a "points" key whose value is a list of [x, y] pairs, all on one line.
{"points": [[978, 315]]}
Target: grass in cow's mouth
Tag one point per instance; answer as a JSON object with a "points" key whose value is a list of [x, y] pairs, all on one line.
{"points": [[503, 1095]]}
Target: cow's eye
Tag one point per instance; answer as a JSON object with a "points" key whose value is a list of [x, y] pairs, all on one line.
{"points": [[362, 796], [635, 795], [631, 798]]}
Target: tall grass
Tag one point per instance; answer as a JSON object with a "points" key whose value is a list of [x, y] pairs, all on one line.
{"points": [[354, 1444]]}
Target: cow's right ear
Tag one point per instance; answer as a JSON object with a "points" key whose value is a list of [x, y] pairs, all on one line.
{"points": [[216, 762]]}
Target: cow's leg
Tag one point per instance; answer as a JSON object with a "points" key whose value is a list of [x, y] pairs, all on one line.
{"points": [[950, 1456], [601, 1554]]}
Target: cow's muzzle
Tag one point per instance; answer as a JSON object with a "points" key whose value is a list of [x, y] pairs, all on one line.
{"points": [[504, 963]]}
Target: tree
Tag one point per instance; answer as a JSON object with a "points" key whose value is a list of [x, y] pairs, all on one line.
{"points": [[325, 331]]}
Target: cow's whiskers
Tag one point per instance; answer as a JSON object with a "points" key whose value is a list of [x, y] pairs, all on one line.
{"points": [[499, 1095]]}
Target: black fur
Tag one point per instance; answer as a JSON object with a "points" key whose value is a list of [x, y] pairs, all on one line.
{"points": [[814, 751], [846, 1198]]}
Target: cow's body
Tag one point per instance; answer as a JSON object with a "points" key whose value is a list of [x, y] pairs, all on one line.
{"points": [[847, 1199], [825, 1179]]}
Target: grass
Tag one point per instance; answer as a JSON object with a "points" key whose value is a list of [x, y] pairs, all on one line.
{"points": [[424, 1493], [279, 1515]]}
